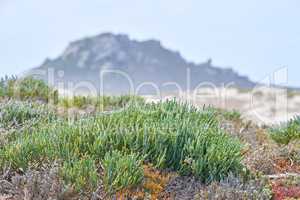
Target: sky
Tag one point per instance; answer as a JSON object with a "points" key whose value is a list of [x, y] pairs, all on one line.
{"points": [[254, 37]]}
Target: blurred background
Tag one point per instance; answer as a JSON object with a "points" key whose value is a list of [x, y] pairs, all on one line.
{"points": [[253, 37]]}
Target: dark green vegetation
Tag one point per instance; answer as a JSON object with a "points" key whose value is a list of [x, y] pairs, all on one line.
{"points": [[81, 174], [287, 132], [121, 171]]}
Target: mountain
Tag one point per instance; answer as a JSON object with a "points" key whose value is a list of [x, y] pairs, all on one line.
{"points": [[144, 65]]}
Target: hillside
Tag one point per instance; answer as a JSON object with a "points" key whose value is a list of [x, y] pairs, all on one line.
{"points": [[140, 61]]}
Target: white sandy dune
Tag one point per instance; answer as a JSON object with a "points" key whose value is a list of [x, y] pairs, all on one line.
{"points": [[263, 105]]}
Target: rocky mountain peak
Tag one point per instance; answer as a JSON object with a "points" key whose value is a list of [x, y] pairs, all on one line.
{"points": [[142, 61]]}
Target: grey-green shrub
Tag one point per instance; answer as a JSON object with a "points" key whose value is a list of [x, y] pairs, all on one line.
{"points": [[17, 113], [6, 86], [27, 88], [232, 115], [286, 132], [81, 174], [237, 189], [101, 103], [122, 171], [214, 155], [169, 135], [2, 88]]}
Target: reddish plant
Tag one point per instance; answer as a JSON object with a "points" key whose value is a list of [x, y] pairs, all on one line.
{"points": [[283, 166], [282, 192]]}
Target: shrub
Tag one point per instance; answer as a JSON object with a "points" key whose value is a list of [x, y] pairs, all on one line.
{"points": [[30, 88], [179, 138], [80, 174], [28, 151], [13, 113], [233, 115], [100, 103], [122, 171], [262, 159], [291, 154], [168, 135], [6, 85], [77, 101], [285, 133], [286, 189], [2, 88], [235, 188], [27, 89], [41, 184], [214, 155]]}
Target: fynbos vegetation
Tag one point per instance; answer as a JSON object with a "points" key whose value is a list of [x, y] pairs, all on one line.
{"points": [[130, 152], [287, 132], [27, 89]]}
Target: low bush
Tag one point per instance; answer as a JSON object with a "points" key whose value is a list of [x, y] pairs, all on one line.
{"points": [[101, 103], [2, 88], [262, 159], [28, 151], [76, 101], [41, 184], [122, 171], [232, 115], [14, 113], [235, 188], [287, 132], [80, 174], [168, 135], [27, 89], [291, 153], [286, 189], [208, 153], [6, 86]]}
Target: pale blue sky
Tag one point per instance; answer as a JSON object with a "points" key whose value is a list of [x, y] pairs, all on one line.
{"points": [[255, 37]]}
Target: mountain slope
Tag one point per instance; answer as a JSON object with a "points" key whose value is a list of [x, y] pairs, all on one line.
{"points": [[144, 65]]}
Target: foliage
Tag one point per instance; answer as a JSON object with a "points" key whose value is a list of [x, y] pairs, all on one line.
{"points": [[291, 153], [27, 89], [155, 181], [286, 190], [232, 115], [235, 188], [287, 132], [41, 184], [6, 85], [101, 103], [14, 113], [122, 171], [208, 153], [262, 159], [169, 135], [2, 88], [80, 174]]}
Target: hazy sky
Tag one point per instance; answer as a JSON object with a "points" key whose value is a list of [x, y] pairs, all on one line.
{"points": [[255, 37]]}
